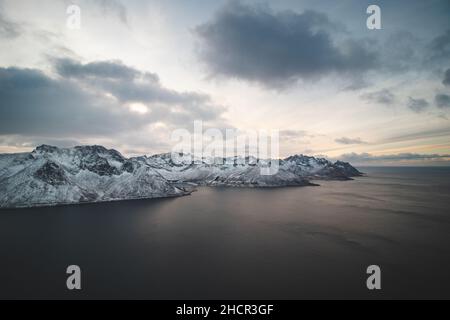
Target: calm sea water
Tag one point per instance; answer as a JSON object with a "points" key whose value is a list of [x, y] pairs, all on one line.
{"points": [[309, 242]]}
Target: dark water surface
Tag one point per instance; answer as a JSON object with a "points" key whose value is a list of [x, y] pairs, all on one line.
{"points": [[309, 242]]}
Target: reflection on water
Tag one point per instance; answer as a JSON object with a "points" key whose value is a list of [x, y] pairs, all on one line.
{"points": [[309, 242]]}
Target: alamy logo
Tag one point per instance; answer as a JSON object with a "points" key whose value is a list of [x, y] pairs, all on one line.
{"points": [[227, 146], [74, 17], [374, 280], [74, 280], [374, 20]]}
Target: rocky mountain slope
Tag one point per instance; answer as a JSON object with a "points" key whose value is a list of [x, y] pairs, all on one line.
{"points": [[50, 175]]}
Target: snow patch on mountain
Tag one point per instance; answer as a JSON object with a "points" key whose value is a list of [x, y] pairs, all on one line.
{"points": [[51, 176]]}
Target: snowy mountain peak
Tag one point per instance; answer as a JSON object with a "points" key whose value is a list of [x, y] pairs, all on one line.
{"points": [[50, 175], [45, 149]]}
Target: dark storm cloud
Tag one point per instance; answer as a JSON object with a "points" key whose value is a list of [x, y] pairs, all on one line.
{"points": [[401, 51], [440, 46], [446, 80], [102, 69], [348, 141], [131, 85], [383, 96], [442, 101], [88, 100], [277, 48], [33, 103], [417, 105]]}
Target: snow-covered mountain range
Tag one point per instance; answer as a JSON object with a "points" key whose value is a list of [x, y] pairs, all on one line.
{"points": [[50, 176]]}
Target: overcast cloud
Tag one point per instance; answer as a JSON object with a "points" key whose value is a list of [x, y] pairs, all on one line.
{"points": [[94, 100], [272, 48], [369, 159], [311, 69]]}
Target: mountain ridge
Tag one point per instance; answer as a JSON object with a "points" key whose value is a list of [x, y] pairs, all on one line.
{"points": [[54, 176]]}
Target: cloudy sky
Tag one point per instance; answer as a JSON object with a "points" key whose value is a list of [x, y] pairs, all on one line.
{"points": [[137, 70]]}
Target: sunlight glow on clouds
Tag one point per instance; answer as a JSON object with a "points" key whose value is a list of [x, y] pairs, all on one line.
{"points": [[138, 107], [138, 69]]}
